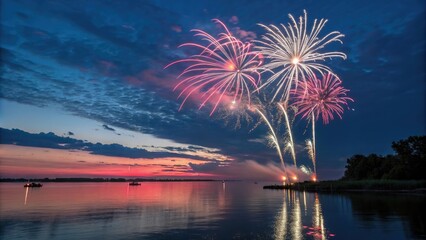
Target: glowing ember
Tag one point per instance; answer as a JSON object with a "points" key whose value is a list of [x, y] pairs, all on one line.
{"points": [[295, 60], [231, 67]]}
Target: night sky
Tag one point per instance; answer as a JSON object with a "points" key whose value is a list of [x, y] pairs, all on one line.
{"points": [[84, 91]]}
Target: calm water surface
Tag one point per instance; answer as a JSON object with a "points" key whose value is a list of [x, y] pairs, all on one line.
{"points": [[203, 210]]}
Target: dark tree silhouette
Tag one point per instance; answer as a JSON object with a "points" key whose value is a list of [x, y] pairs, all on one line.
{"points": [[408, 163]]}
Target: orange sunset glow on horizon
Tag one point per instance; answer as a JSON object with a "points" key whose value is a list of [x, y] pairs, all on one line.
{"points": [[26, 162]]}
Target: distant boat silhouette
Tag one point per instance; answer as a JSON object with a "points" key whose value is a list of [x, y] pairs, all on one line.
{"points": [[134, 184], [33, 185]]}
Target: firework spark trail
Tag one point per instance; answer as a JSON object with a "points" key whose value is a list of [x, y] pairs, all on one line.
{"points": [[314, 149], [311, 152], [235, 114], [294, 53], [290, 135], [305, 170], [274, 139], [225, 66], [320, 98], [226, 70]]}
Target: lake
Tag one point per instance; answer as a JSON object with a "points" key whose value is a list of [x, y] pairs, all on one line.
{"points": [[203, 210]]}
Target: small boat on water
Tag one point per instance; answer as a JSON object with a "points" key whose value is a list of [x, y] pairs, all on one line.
{"points": [[134, 184], [33, 185]]}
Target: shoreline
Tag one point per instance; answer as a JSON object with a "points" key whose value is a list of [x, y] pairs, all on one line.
{"points": [[361, 186]]}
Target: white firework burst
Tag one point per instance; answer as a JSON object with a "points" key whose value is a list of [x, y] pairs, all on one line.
{"points": [[294, 53]]}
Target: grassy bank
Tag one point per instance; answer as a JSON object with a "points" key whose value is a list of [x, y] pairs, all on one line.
{"points": [[361, 185]]}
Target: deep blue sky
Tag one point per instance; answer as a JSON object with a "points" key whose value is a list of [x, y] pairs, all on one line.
{"points": [[102, 61]]}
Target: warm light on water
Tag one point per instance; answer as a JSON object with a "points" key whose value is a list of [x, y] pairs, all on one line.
{"points": [[201, 210]]}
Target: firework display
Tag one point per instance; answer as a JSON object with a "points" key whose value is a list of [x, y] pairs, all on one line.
{"points": [[311, 153], [296, 53], [321, 98], [317, 98], [228, 71], [290, 142], [272, 137], [225, 67]]}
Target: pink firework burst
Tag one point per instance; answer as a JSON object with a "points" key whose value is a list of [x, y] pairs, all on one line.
{"points": [[321, 97], [224, 68]]}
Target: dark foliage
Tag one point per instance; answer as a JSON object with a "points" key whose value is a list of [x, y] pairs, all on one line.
{"points": [[408, 163]]}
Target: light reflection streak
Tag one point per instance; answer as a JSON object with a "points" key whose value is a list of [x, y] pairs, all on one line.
{"points": [[222, 195], [304, 202], [26, 196], [288, 198], [290, 224], [318, 220], [297, 219], [281, 223]]}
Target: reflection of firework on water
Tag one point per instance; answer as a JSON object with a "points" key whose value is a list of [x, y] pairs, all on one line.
{"points": [[318, 232], [321, 97], [224, 68], [294, 52]]}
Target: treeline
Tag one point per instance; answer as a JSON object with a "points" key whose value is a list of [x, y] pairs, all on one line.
{"points": [[408, 162]]}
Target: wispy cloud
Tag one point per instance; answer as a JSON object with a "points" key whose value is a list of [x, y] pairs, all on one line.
{"points": [[50, 140]]}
